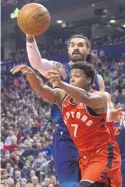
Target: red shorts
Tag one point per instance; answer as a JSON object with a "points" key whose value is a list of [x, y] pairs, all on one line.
{"points": [[102, 164]]}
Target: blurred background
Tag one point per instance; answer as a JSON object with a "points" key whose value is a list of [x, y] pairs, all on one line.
{"points": [[27, 130]]}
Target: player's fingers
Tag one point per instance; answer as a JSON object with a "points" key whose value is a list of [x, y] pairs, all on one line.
{"points": [[120, 109], [61, 68], [14, 68], [49, 74], [57, 72], [17, 68], [121, 112], [25, 72], [20, 69], [53, 77], [52, 71]]}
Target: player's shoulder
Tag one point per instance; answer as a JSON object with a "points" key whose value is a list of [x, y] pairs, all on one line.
{"points": [[96, 92], [99, 77], [101, 83], [61, 93], [58, 90], [108, 96]]}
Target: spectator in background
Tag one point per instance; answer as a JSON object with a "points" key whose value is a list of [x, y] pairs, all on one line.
{"points": [[46, 150], [54, 181], [38, 163], [22, 183], [17, 176], [27, 129], [13, 145], [51, 185], [47, 181], [25, 173], [32, 174], [6, 159], [35, 182], [121, 97], [29, 150], [10, 169], [9, 138], [10, 182], [102, 55]]}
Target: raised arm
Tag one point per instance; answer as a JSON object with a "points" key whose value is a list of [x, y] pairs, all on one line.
{"points": [[37, 84], [37, 62], [92, 100]]}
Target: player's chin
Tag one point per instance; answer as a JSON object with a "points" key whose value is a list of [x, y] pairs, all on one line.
{"points": [[76, 59]]}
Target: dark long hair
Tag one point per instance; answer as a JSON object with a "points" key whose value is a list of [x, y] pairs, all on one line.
{"points": [[91, 57]]}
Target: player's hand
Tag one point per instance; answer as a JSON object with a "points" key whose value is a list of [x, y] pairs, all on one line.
{"points": [[117, 114], [22, 68], [54, 77], [29, 36]]}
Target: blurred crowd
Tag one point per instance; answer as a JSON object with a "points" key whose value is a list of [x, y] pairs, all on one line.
{"points": [[8, 3], [26, 136], [58, 45], [108, 40], [113, 74], [27, 130]]}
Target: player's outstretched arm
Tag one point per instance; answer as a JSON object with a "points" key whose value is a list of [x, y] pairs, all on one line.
{"points": [[47, 93], [93, 100], [37, 62]]}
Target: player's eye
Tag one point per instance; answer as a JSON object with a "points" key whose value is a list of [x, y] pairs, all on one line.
{"points": [[72, 45], [77, 75], [81, 45]]}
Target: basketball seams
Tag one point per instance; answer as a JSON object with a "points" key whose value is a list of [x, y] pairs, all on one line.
{"points": [[27, 25], [42, 20], [34, 11], [21, 22], [36, 27], [38, 31]]}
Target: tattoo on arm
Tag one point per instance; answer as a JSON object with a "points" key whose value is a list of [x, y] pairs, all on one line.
{"points": [[61, 68], [58, 65]]}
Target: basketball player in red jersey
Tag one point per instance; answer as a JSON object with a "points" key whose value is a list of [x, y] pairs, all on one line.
{"points": [[84, 112]]}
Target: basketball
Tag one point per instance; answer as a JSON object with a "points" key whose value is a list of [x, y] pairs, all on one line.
{"points": [[33, 19]]}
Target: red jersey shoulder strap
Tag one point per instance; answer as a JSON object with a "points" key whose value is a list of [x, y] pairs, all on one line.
{"points": [[66, 99]]}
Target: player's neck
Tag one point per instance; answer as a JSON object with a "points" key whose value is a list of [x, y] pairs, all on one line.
{"points": [[88, 89]]}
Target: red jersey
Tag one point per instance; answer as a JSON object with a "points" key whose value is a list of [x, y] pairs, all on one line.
{"points": [[89, 133]]}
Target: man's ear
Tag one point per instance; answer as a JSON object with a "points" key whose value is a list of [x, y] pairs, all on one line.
{"points": [[89, 80]]}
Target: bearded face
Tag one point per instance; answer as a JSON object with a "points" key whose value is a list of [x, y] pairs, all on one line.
{"points": [[78, 50]]}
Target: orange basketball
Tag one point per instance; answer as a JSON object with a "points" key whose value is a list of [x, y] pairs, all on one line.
{"points": [[33, 19]]}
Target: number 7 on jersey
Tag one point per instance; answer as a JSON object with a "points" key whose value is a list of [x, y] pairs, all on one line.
{"points": [[75, 126]]}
